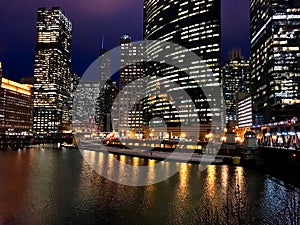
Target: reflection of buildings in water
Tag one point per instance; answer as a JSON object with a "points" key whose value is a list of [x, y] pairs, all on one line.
{"points": [[167, 168], [239, 178], [183, 179], [135, 161], [224, 178], [211, 181], [180, 194], [19, 167], [100, 162], [273, 193], [149, 196], [135, 175], [121, 167], [151, 171]]}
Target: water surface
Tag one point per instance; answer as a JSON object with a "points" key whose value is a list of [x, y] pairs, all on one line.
{"points": [[59, 187]]}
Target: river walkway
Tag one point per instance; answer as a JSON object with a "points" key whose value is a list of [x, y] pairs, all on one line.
{"points": [[159, 155]]}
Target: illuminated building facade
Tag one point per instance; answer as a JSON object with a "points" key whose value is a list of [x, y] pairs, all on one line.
{"points": [[130, 123], [235, 77], [83, 107], [16, 106], [1, 100], [275, 56], [244, 110], [52, 73], [195, 25]]}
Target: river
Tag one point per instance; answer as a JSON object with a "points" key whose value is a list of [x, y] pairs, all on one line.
{"points": [[50, 186]]}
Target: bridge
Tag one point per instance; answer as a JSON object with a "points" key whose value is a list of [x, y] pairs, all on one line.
{"points": [[285, 134]]}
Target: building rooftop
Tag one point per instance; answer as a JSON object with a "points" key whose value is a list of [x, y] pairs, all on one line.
{"points": [[15, 86]]}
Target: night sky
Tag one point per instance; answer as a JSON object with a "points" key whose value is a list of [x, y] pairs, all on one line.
{"points": [[91, 20]]}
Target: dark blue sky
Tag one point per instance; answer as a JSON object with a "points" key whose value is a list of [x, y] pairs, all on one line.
{"points": [[91, 19]]}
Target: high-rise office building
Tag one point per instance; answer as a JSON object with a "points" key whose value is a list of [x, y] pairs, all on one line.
{"points": [[275, 57], [235, 77], [105, 101], [52, 73], [195, 25], [107, 92], [1, 100], [129, 123], [16, 105], [84, 106]]}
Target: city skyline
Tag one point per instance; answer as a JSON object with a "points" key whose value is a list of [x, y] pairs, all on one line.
{"points": [[189, 129], [105, 19]]}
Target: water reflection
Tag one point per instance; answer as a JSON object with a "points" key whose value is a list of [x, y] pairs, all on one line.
{"points": [[239, 177], [14, 182], [224, 177], [211, 181], [59, 187]]}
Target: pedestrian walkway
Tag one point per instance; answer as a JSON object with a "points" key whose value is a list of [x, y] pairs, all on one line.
{"points": [[159, 155]]}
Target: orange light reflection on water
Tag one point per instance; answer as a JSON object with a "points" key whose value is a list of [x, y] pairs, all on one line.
{"points": [[224, 177], [211, 181]]}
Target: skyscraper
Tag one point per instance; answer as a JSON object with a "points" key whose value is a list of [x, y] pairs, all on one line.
{"points": [[275, 57], [105, 101], [129, 123], [235, 77], [1, 101], [107, 92], [52, 73], [83, 107], [195, 25]]}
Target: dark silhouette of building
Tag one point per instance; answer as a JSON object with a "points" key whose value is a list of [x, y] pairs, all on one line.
{"points": [[108, 91], [105, 101], [28, 80]]}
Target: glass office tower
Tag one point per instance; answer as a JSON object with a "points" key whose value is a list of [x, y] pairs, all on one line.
{"points": [[52, 73], [130, 123], [275, 60], [235, 77], [195, 25]]}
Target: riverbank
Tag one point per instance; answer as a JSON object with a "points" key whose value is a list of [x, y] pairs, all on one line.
{"points": [[160, 155]]}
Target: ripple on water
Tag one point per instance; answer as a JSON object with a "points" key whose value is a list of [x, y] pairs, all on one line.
{"points": [[59, 187]]}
